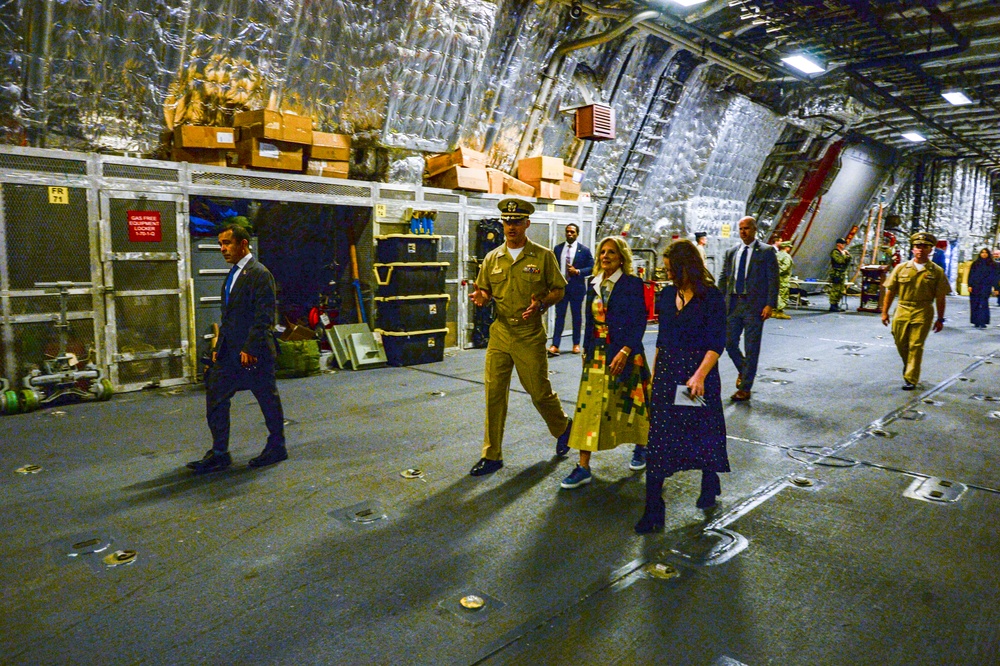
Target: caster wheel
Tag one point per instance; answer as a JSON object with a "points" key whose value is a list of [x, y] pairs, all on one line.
{"points": [[107, 390], [10, 403], [30, 400]]}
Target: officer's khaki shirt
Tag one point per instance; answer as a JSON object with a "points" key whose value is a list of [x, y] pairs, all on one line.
{"points": [[917, 288], [512, 283]]}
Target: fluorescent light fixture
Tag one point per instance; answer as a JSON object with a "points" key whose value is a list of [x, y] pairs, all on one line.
{"points": [[913, 136], [956, 97], [803, 64], [687, 3]]}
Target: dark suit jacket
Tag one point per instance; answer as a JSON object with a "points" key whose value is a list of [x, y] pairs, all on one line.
{"points": [[626, 317], [583, 261], [761, 279], [249, 316]]}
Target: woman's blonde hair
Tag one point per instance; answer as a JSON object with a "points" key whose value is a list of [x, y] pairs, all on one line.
{"points": [[623, 249]]}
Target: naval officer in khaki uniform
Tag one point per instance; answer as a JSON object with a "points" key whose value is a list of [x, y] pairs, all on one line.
{"points": [[920, 284], [522, 279]]}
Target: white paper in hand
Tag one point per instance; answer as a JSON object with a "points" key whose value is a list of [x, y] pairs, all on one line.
{"points": [[683, 398]]}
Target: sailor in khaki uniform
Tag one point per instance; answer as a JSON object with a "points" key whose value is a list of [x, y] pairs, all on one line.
{"points": [[920, 284], [522, 279]]}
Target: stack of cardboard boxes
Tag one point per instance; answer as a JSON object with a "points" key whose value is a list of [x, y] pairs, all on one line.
{"points": [[462, 169], [544, 174], [264, 139]]}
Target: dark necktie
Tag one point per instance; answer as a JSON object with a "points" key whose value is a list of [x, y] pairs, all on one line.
{"points": [[741, 272], [229, 280]]}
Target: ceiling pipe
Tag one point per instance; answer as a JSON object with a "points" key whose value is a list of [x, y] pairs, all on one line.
{"points": [[556, 61]]}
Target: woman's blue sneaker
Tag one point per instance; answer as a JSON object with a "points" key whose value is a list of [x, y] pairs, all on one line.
{"points": [[577, 478]]}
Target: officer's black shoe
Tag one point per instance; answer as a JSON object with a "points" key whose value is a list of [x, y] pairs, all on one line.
{"points": [[908, 386], [562, 444], [835, 308], [485, 466], [269, 456], [213, 461]]}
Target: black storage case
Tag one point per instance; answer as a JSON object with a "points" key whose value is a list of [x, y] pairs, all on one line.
{"points": [[412, 313], [413, 348], [395, 248], [410, 279]]}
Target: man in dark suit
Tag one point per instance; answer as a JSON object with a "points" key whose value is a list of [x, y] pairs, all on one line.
{"points": [[576, 263], [750, 282], [244, 356]]}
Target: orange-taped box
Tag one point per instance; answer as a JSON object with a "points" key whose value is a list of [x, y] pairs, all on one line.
{"points": [[328, 169], [328, 146], [463, 178], [464, 157], [540, 168], [276, 125], [201, 136], [209, 156], [546, 189], [264, 154]]}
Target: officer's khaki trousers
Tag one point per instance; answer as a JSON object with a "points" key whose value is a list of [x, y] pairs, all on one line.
{"points": [[522, 347], [910, 327]]}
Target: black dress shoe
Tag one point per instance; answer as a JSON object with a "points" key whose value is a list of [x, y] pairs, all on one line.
{"points": [[562, 444], [212, 462], [269, 456], [908, 386], [485, 466]]}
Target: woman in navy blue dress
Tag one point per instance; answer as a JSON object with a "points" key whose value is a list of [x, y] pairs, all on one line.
{"points": [[982, 280], [692, 335]]}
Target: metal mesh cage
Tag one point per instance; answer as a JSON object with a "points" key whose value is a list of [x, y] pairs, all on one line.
{"points": [[119, 225], [29, 305], [248, 180], [147, 323], [446, 224], [442, 198], [39, 341], [140, 172], [13, 162], [403, 195], [145, 275], [150, 369], [46, 242]]}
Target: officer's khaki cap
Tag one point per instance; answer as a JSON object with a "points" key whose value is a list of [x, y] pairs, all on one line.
{"points": [[515, 209], [923, 238]]}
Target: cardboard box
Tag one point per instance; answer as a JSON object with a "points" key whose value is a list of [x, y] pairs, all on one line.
{"points": [[263, 154], [201, 136], [463, 178], [328, 146], [496, 178], [568, 196], [464, 157], [328, 169], [276, 125], [570, 186], [546, 189], [540, 168], [571, 174], [209, 156], [517, 187]]}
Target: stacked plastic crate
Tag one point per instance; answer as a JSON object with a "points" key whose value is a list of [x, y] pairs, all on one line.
{"points": [[411, 306]]}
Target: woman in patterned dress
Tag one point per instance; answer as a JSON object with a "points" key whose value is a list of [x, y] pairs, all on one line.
{"points": [[692, 335], [612, 405]]}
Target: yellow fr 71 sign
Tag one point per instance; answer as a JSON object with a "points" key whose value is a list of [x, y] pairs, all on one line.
{"points": [[59, 195]]}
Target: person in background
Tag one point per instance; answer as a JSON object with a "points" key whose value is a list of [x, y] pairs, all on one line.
{"points": [[940, 256], [840, 261], [785, 266], [749, 281], [996, 262], [687, 428], [701, 241], [982, 279], [921, 285], [613, 401], [576, 263], [522, 278], [244, 356]]}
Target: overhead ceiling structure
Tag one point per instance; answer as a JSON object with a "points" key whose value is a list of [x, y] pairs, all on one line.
{"points": [[895, 60]]}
